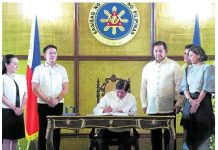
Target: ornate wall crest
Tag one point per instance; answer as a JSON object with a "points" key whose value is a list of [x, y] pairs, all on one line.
{"points": [[114, 24]]}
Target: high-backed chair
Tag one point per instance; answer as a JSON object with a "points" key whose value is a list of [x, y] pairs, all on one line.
{"points": [[107, 86]]}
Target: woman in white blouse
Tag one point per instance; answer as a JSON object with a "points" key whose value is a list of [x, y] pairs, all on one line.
{"points": [[13, 102]]}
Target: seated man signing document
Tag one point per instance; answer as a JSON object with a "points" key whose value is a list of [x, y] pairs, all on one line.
{"points": [[118, 101]]}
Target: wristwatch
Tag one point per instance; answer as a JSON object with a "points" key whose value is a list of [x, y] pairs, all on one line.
{"points": [[58, 98]]}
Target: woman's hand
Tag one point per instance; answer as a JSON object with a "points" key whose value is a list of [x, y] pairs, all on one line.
{"points": [[18, 111], [195, 104]]}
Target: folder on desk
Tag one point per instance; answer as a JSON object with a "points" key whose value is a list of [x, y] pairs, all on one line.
{"points": [[110, 114]]}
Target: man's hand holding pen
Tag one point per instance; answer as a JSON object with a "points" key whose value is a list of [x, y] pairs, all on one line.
{"points": [[107, 109]]}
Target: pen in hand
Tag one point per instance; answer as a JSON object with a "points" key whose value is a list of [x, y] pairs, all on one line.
{"points": [[107, 109]]}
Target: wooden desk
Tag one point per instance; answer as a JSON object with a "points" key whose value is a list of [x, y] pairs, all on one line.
{"points": [[79, 122]]}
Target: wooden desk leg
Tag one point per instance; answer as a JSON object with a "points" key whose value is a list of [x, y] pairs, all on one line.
{"points": [[49, 136], [172, 134]]}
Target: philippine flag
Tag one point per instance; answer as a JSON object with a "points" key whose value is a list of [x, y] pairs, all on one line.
{"points": [[31, 114]]}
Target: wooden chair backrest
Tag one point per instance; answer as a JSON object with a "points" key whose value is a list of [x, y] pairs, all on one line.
{"points": [[108, 85]]}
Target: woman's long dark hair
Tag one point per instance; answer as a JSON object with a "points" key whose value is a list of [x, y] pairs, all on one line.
{"points": [[6, 60]]}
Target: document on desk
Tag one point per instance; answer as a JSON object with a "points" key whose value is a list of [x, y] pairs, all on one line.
{"points": [[110, 114]]}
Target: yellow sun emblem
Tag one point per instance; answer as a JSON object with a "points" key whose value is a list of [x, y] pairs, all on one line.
{"points": [[114, 20]]}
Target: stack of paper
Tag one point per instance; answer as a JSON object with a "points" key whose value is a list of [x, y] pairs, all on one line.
{"points": [[110, 114]]}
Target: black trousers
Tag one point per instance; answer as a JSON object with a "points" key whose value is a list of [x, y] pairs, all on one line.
{"points": [[44, 110], [105, 135], [156, 136]]}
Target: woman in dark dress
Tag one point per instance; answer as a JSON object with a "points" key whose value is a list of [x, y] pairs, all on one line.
{"points": [[14, 97], [198, 84]]}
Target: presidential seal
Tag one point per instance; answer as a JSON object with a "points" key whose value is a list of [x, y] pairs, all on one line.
{"points": [[114, 24]]}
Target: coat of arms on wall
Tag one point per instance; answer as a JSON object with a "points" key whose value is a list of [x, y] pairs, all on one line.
{"points": [[114, 24]]}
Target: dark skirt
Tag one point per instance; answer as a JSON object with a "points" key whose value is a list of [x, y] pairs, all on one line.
{"points": [[200, 125], [12, 125]]}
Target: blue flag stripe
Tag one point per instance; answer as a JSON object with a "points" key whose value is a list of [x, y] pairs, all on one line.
{"points": [[36, 51], [196, 36]]}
